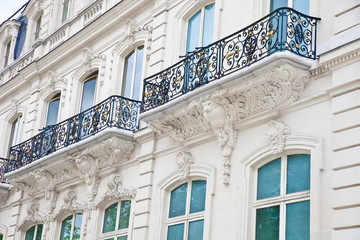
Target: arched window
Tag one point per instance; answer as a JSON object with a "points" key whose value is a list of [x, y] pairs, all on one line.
{"points": [[53, 110], [37, 28], [186, 211], [15, 131], [71, 227], [7, 54], [1, 236], [116, 221], [200, 28], [132, 74], [34, 233], [65, 10], [302, 6], [88, 93], [282, 202]]}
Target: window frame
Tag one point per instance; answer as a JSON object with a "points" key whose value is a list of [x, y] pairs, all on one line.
{"points": [[202, 20], [35, 231], [68, 2], [37, 28], [187, 217], [73, 225], [117, 232], [124, 78], [283, 199], [92, 75], [56, 97], [16, 134], [7, 53]]}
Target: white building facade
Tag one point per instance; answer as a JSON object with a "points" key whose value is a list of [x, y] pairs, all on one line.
{"points": [[180, 120]]}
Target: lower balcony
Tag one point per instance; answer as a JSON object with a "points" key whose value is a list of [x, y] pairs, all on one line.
{"points": [[115, 112]]}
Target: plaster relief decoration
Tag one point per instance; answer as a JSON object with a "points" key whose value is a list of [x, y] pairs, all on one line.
{"points": [[28, 185], [115, 190], [277, 132], [184, 160], [46, 181], [56, 83], [34, 217], [4, 195]]}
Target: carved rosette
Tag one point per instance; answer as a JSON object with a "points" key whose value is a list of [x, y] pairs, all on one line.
{"points": [[277, 132], [115, 190], [220, 110], [184, 160]]}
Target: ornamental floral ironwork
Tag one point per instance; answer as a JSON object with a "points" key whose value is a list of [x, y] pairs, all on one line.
{"points": [[284, 29], [115, 111], [3, 164]]}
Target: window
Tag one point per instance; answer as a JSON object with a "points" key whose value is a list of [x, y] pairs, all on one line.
{"points": [[34, 233], [71, 227], [132, 74], [200, 28], [282, 201], [1, 236], [186, 211], [116, 221], [65, 12], [53, 109], [7, 54], [299, 5], [38, 28], [15, 131], [88, 93]]}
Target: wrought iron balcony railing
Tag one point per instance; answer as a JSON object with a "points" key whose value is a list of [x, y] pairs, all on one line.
{"points": [[284, 29], [115, 111], [3, 164]]}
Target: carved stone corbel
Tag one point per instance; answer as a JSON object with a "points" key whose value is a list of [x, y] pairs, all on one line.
{"points": [[184, 160], [277, 132]]}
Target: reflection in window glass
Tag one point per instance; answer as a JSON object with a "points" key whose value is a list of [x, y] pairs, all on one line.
{"points": [[15, 131], [269, 180], [178, 201], [71, 227], [38, 28], [117, 214], [88, 93], [298, 221], [267, 223], [7, 54], [65, 12], [176, 232], [53, 110], [131, 85]]}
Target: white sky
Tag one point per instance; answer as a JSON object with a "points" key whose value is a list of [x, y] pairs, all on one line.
{"points": [[9, 7]]}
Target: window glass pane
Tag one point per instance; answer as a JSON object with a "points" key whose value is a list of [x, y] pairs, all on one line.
{"points": [[301, 6], [178, 201], [87, 100], [65, 10], [15, 131], [110, 218], [275, 4], [298, 221], [66, 228], [7, 54], [269, 180], [109, 239], [267, 223], [37, 30], [124, 214], [193, 33], [122, 238], [77, 226], [208, 25], [198, 193], [138, 69], [30, 233], [1, 237], [53, 112], [128, 75], [298, 173], [196, 229], [39, 232], [176, 232]]}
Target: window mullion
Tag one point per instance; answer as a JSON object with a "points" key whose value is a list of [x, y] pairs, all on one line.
{"points": [[202, 26], [283, 176], [282, 221], [117, 222]]}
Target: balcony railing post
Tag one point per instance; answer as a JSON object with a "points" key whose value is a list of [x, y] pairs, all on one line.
{"points": [[219, 60], [186, 75]]}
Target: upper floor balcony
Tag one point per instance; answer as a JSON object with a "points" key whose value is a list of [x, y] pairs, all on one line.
{"points": [[284, 30]]}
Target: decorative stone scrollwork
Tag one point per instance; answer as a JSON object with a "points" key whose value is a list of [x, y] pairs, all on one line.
{"points": [[277, 132], [33, 216], [71, 204], [57, 83], [115, 190], [4, 195], [184, 160]]}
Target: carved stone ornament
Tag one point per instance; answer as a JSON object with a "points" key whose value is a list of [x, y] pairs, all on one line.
{"points": [[4, 195], [115, 190], [220, 110], [277, 132], [33, 217], [57, 83], [184, 160]]}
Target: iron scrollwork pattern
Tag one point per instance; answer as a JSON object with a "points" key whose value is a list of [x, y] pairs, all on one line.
{"points": [[3, 164], [115, 111], [284, 29]]}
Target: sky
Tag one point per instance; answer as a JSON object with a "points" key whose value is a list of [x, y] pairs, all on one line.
{"points": [[9, 7]]}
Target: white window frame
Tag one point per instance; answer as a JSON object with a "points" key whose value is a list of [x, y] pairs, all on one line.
{"points": [[16, 135], [48, 104], [35, 231], [118, 232], [284, 198], [73, 224], [68, 10], [94, 74], [37, 28], [7, 53]]}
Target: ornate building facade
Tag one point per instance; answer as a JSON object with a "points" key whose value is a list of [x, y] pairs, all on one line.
{"points": [[180, 119]]}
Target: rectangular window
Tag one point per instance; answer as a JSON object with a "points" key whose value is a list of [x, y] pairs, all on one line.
{"points": [[7, 54], [15, 131], [65, 12], [88, 93], [38, 28], [53, 110]]}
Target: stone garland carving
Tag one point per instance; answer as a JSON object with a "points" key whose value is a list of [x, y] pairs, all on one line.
{"points": [[184, 160], [277, 132], [218, 111], [115, 190]]}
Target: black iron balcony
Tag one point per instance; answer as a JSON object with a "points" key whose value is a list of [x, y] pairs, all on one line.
{"points": [[3, 164], [115, 111], [284, 29]]}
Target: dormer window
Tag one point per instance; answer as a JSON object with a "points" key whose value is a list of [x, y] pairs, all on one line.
{"points": [[7, 54], [38, 28], [65, 12]]}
